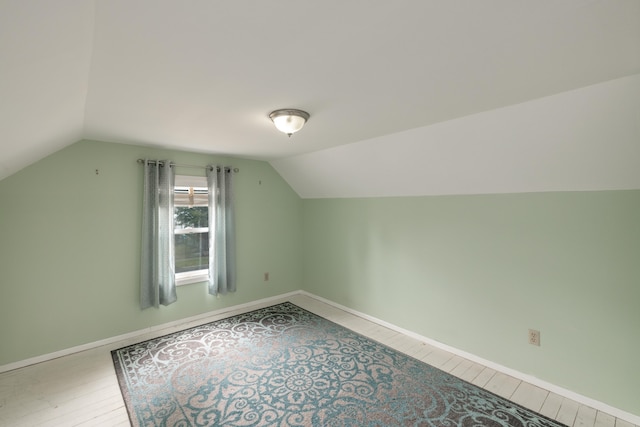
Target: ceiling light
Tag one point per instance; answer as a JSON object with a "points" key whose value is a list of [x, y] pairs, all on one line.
{"points": [[289, 121]]}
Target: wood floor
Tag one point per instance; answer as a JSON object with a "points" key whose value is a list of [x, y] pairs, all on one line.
{"points": [[82, 390]]}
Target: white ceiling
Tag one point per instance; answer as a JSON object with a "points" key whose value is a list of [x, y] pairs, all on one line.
{"points": [[203, 75]]}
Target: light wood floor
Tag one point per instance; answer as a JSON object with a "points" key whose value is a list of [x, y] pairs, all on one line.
{"points": [[82, 390]]}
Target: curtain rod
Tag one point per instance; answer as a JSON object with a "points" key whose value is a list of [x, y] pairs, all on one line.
{"points": [[141, 161]]}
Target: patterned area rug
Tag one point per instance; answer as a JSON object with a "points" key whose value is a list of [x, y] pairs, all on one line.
{"points": [[284, 366]]}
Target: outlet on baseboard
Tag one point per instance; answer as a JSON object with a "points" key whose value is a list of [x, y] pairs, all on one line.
{"points": [[534, 337]]}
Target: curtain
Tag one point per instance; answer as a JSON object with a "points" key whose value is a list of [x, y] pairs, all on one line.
{"points": [[157, 270], [222, 261]]}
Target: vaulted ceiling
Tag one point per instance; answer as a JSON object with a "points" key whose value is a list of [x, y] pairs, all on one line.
{"points": [[385, 82]]}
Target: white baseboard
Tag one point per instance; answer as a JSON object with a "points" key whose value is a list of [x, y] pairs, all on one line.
{"points": [[161, 329], [618, 413], [141, 332]]}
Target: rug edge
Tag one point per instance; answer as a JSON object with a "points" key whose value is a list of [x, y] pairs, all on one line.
{"points": [[119, 370], [124, 390]]}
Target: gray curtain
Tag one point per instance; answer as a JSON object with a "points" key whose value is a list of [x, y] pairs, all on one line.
{"points": [[157, 270], [222, 260]]}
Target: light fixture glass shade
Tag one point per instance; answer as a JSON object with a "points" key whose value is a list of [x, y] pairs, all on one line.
{"points": [[289, 121]]}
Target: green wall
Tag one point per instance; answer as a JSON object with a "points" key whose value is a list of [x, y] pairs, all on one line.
{"points": [[476, 272], [70, 243]]}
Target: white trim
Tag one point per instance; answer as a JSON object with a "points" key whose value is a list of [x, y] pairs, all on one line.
{"points": [[191, 230], [152, 329], [189, 277], [618, 413]]}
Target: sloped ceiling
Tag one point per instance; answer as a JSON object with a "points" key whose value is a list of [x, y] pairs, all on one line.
{"points": [[203, 75], [45, 56]]}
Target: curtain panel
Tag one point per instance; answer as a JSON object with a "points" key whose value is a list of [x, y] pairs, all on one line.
{"points": [[157, 266], [222, 259]]}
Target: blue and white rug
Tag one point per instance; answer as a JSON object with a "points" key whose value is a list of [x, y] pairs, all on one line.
{"points": [[284, 366]]}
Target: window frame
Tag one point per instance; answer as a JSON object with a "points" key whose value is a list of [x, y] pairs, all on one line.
{"points": [[195, 276]]}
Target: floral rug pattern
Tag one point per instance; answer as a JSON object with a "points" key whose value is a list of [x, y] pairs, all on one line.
{"points": [[284, 366]]}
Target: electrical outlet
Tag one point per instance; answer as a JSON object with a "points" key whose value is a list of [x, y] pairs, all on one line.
{"points": [[534, 337], [266, 276]]}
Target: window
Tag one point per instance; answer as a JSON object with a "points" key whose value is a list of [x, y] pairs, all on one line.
{"points": [[191, 218]]}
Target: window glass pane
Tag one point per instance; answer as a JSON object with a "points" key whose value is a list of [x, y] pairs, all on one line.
{"points": [[191, 224], [192, 252], [195, 217]]}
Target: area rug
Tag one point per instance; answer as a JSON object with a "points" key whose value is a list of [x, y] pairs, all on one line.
{"points": [[284, 366]]}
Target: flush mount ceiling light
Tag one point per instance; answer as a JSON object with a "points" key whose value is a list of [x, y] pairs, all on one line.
{"points": [[288, 120]]}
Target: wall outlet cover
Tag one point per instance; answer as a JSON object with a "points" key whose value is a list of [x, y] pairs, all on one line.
{"points": [[534, 337]]}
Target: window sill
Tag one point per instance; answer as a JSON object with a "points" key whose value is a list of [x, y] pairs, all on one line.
{"points": [[192, 277]]}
